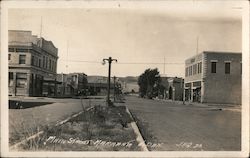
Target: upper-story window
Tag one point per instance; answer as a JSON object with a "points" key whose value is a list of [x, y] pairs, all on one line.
{"points": [[55, 66], [39, 62], [186, 72], [195, 69], [22, 50], [43, 61], [11, 50], [32, 60], [9, 56], [49, 64], [240, 67], [52, 65], [22, 59], [227, 68], [199, 67], [46, 63], [213, 67]]}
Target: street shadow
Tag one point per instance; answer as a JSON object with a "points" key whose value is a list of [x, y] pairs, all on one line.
{"points": [[16, 104]]}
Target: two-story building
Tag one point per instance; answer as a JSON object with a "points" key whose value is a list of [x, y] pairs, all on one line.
{"points": [[213, 77], [32, 65]]}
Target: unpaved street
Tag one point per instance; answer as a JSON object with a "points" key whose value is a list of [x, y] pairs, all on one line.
{"points": [[26, 122], [187, 127]]}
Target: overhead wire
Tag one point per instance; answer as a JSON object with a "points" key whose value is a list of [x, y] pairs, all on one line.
{"points": [[131, 63]]}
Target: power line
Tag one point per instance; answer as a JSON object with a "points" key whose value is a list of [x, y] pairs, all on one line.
{"points": [[128, 63], [150, 63]]}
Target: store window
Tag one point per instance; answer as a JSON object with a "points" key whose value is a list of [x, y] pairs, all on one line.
{"points": [[21, 80]]}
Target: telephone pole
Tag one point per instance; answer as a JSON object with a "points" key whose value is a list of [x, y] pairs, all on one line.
{"points": [[114, 88], [109, 61]]}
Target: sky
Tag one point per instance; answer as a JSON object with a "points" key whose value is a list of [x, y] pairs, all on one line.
{"points": [[139, 36]]}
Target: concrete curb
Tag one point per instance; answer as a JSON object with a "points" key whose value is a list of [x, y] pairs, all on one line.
{"points": [[139, 138], [15, 146]]}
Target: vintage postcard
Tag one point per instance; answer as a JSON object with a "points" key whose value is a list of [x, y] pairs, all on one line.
{"points": [[125, 78]]}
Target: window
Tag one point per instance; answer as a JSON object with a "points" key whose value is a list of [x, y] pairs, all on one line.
{"points": [[213, 67], [9, 57], [195, 69], [186, 72], [22, 50], [50, 64], [191, 70], [55, 66], [21, 80], [11, 50], [200, 67], [240, 68], [22, 59], [39, 62], [10, 78], [43, 61], [32, 60], [46, 63], [227, 68]]}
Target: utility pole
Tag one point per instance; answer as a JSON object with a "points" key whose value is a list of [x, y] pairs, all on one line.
{"points": [[109, 61], [114, 87], [164, 66], [197, 45], [41, 27]]}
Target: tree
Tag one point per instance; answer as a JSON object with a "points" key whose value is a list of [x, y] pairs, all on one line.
{"points": [[147, 81]]}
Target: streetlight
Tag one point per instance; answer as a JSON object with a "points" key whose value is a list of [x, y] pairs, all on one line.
{"points": [[109, 61]]}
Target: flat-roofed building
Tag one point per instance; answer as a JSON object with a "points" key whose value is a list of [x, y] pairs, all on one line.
{"points": [[32, 65], [214, 77], [71, 84]]}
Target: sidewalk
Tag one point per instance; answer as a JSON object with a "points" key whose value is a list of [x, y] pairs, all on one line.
{"points": [[231, 107]]}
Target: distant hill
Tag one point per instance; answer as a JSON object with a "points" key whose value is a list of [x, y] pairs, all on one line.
{"points": [[128, 79], [129, 84]]}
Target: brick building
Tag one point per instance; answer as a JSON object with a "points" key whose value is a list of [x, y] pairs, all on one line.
{"points": [[32, 65], [213, 77]]}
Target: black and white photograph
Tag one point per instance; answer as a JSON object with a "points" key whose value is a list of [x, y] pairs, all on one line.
{"points": [[125, 78]]}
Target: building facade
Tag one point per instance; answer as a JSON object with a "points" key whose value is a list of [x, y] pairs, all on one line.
{"points": [[71, 84], [173, 88], [32, 65], [98, 85], [213, 77]]}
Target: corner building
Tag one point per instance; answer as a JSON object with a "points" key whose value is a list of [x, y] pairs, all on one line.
{"points": [[213, 77], [32, 65]]}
